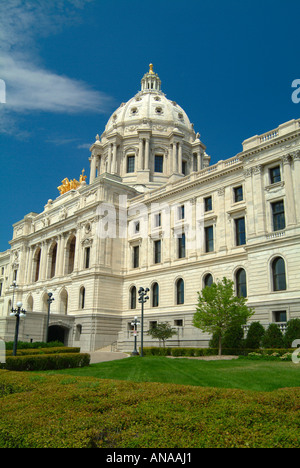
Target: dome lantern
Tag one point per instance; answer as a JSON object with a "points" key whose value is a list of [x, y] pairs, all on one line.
{"points": [[151, 81]]}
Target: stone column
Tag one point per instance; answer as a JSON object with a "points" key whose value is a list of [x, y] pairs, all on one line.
{"points": [[147, 153], [259, 200], [114, 159], [93, 168], [28, 278], [175, 162], [297, 183], [109, 159], [141, 155], [290, 214], [44, 258], [180, 158]]}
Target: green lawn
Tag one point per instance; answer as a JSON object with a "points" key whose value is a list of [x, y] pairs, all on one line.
{"points": [[235, 374]]}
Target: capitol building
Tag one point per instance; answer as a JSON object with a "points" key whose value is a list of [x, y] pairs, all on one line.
{"points": [[154, 213]]}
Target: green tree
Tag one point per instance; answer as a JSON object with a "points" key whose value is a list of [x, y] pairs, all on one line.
{"points": [[273, 338], [219, 309], [292, 332], [162, 331], [254, 336]]}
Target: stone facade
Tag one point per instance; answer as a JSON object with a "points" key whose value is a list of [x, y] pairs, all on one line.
{"points": [[156, 214]]}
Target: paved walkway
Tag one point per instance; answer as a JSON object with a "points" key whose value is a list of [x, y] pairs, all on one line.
{"points": [[104, 356]]}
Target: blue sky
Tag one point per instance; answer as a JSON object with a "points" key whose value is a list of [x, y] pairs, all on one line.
{"points": [[68, 64]]}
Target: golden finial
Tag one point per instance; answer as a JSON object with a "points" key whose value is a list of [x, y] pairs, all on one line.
{"points": [[151, 69]]}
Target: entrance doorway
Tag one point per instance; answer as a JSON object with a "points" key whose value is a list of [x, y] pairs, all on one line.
{"points": [[57, 333]]}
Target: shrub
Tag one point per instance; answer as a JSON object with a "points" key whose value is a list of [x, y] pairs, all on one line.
{"points": [[233, 338], [46, 362], [33, 352], [273, 337], [292, 332], [35, 345], [255, 334]]}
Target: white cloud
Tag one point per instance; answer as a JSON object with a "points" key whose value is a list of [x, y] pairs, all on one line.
{"points": [[30, 87]]}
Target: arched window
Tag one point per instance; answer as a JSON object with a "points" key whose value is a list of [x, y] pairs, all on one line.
{"points": [[70, 258], [155, 295], [279, 275], [29, 306], [180, 291], [63, 302], [52, 260], [133, 297], [208, 280], [36, 264], [82, 298], [241, 283]]}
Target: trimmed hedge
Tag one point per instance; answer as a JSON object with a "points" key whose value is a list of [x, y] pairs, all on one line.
{"points": [[198, 352], [51, 411], [32, 352], [34, 345], [46, 362]]}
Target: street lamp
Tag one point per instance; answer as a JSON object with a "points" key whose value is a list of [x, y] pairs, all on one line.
{"points": [[135, 323], [142, 299], [14, 286], [17, 313], [49, 300]]}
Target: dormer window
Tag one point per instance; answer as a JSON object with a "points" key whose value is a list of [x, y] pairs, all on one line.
{"points": [[134, 110], [159, 110]]}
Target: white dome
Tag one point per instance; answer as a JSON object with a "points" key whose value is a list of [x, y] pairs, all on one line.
{"points": [[150, 106]]}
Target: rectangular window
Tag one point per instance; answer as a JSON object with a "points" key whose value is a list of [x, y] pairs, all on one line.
{"points": [[181, 246], [195, 163], [136, 256], [278, 216], [275, 175], [181, 212], [178, 323], [130, 164], [184, 167], [87, 257], [279, 316], [159, 164], [1, 285], [240, 231], [208, 204], [157, 220], [209, 239], [238, 194], [157, 251]]}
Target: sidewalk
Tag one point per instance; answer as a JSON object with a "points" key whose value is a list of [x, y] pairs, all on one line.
{"points": [[104, 356]]}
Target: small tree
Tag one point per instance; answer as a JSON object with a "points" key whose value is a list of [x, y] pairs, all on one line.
{"points": [[219, 309], [273, 338], [254, 336], [292, 332], [162, 331]]}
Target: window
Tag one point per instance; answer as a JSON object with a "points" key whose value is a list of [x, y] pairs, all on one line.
{"points": [[278, 273], [208, 280], [208, 204], [1, 286], [240, 231], [136, 256], [130, 164], [181, 246], [275, 175], [238, 194], [209, 239], [137, 227], [241, 283], [71, 254], [15, 274], [184, 168], [279, 316], [159, 164], [195, 163], [133, 297], [78, 332], [180, 291], [82, 298], [155, 295], [278, 215], [53, 255], [37, 262], [181, 212], [87, 257], [152, 324], [157, 220], [178, 323], [157, 251]]}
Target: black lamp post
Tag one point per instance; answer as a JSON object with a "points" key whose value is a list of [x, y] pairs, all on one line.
{"points": [[142, 299], [14, 286], [49, 300], [17, 313], [135, 323]]}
